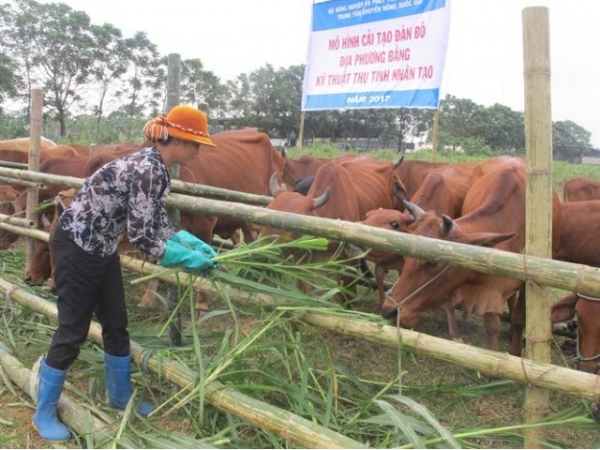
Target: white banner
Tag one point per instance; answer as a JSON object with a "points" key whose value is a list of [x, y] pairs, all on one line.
{"points": [[376, 54]]}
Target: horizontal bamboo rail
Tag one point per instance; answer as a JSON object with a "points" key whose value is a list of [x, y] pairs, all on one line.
{"points": [[17, 221], [261, 414], [179, 186], [33, 184]]}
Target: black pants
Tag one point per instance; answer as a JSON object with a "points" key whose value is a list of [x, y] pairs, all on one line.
{"points": [[86, 284]]}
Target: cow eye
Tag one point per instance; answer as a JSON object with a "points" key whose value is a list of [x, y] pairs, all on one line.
{"points": [[430, 265], [395, 225]]}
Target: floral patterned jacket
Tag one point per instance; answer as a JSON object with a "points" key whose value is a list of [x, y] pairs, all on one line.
{"points": [[126, 195]]}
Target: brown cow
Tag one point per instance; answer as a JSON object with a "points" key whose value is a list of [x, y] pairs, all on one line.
{"points": [[23, 144], [9, 206], [581, 189], [331, 196], [22, 156], [297, 169], [443, 190], [580, 243], [243, 160], [493, 215]]}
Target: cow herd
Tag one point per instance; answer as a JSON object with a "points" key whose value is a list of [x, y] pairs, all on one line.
{"points": [[479, 204]]}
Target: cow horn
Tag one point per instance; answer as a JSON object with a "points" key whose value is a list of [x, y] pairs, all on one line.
{"points": [[398, 162], [447, 224], [415, 210], [274, 186], [321, 200]]}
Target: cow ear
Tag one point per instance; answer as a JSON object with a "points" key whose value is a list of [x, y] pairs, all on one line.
{"points": [[488, 239], [399, 191], [564, 309], [274, 186]]}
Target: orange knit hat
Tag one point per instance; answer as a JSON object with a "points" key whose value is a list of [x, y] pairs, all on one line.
{"points": [[183, 122]]}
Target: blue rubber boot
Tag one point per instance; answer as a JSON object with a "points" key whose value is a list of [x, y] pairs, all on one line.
{"points": [[117, 371], [45, 420]]}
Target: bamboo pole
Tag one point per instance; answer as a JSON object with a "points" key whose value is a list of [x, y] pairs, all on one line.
{"points": [[29, 232], [13, 165], [35, 137], [72, 413], [497, 364], [178, 186], [538, 144], [17, 221], [8, 180], [261, 414]]}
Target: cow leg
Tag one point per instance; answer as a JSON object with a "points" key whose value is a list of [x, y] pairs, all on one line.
{"points": [[380, 273], [201, 303], [453, 329], [492, 328], [516, 306], [149, 298]]}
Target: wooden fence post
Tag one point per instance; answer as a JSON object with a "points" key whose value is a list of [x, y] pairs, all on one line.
{"points": [[173, 93], [538, 224], [35, 139]]}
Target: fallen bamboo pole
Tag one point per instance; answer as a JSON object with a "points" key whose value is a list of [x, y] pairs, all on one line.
{"points": [[261, 414], [73, 414], [546, 376]]}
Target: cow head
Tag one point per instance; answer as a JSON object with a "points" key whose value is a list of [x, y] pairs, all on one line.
{"points": [[388, 219], [427, 284], [9, 206], [40, 266]]}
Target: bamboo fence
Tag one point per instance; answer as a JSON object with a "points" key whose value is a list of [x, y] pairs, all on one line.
{"points": [[497, 364], [542, 271], [291, 426]]}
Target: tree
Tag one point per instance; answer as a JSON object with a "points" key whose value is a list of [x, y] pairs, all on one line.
{"points": [[569, 140], [500, 128], [202, 88], [143, 86], [109, 63], [55, 46]]}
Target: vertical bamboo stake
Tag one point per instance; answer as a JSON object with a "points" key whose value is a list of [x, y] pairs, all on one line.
{"points": [[173, 91], [301, 130], [538, 139], [35, 138], [434, 139]]}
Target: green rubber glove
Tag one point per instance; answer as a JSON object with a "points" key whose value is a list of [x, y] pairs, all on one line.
{"points": [[189, 240], [176, 255]]}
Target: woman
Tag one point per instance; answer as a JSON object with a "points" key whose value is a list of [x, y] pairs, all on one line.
{"points": [[126, 195]]}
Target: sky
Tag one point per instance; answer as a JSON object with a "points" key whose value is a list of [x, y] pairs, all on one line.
{"points": [[484, 60]]}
